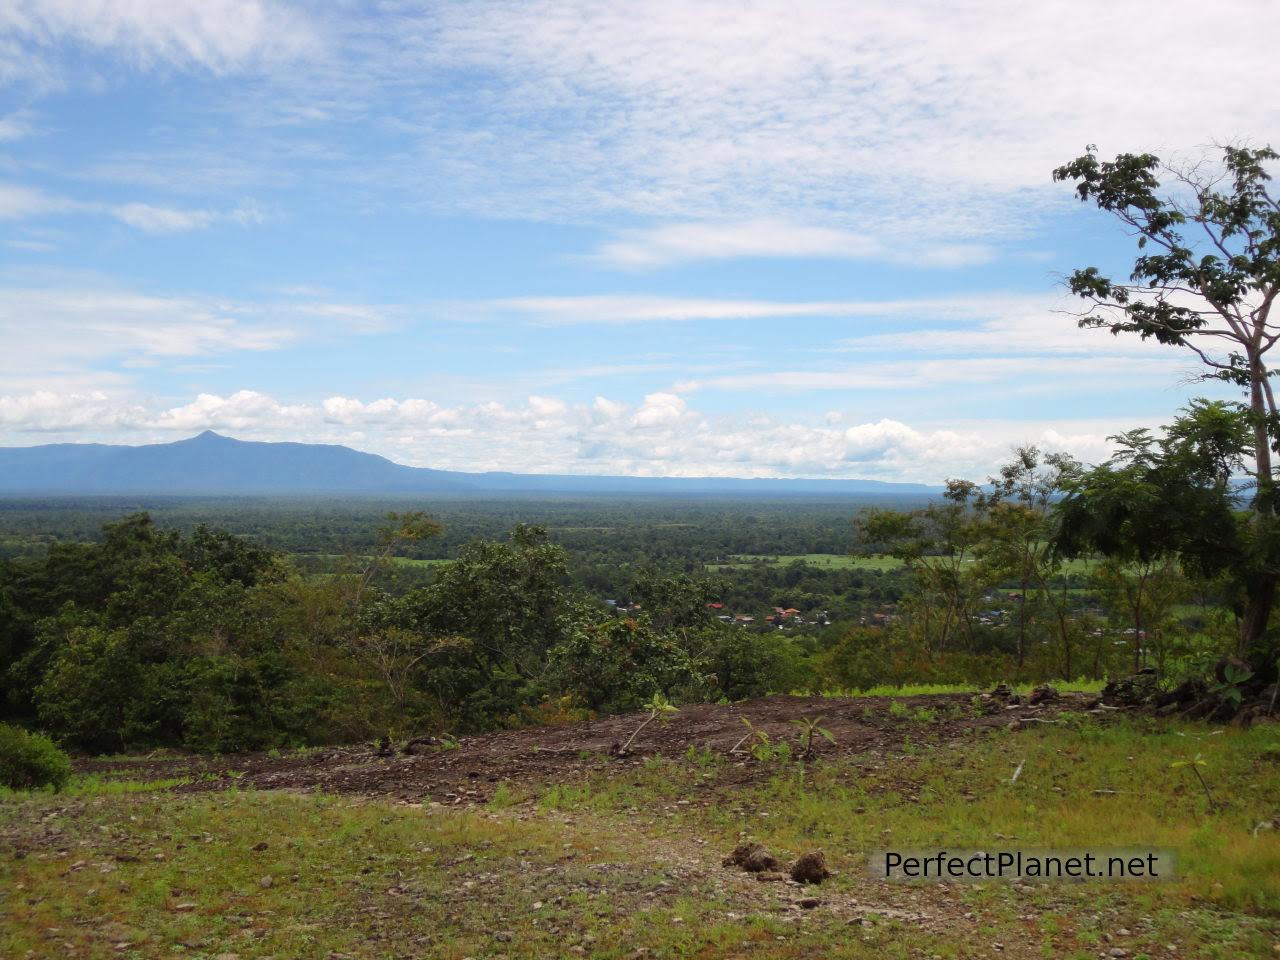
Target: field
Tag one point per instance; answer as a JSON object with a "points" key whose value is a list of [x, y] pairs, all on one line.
{"points": [[538, 843], [837, 561], [830, 561]]}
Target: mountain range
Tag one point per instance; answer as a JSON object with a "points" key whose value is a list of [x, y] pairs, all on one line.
{"points": [[211, 464]]}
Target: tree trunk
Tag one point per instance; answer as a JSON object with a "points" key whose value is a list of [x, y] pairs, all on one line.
{"points": [[1260, 591], [1022, 620]]}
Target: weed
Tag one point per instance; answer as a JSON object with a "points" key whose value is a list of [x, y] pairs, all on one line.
{"points": [[808, 727]]}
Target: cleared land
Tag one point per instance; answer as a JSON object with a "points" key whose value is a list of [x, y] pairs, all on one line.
{"points": [[536, 843]]}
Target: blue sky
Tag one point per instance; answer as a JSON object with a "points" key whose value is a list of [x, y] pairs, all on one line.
{"points": [[686, 238]]}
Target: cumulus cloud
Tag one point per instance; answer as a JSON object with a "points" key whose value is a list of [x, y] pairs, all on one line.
{"points": [[659, 436]]}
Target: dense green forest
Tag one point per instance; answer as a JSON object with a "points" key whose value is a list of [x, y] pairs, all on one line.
{"points": [[223, 625]]}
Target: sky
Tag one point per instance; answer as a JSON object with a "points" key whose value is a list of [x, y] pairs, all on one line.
{"points": [[657, 238]]}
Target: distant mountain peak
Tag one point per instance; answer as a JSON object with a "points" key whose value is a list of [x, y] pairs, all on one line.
{"points": [[210, 463]]}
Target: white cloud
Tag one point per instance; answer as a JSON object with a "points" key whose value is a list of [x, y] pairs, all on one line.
{"points": [[673, 243], [894, 120], [640, 308], [16, 125], [685, 242], [153, 219], [216, 35], [70, 329], [661, 436], [19, 202], [1025, 374]]}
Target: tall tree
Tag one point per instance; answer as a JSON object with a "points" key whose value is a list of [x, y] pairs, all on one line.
{"points": [[1205, 278]]}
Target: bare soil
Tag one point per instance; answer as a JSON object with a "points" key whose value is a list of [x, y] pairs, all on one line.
{"points": [[470, 772]]}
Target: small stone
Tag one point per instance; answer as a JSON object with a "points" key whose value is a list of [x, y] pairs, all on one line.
{"points": [[259, 847], [185, 907], [266, 883], [808, 903], [1117, 952]]}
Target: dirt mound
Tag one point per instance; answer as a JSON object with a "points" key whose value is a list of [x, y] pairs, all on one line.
{"points": [[753, 858], [810, 868], [468, 770]]}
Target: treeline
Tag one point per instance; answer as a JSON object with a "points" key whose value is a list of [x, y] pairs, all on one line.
{"points": [[601, 533], [210, 642], [1049, 569]]}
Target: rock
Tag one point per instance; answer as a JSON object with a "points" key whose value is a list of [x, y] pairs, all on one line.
{"points": [[808, 903], [185, 907], [771, 876], [266, 883], [259, 847], [421, 745], [502, 937], [810, 868], [1002, 691]]}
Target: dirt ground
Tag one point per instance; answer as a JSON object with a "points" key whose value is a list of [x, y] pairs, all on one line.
{"points": [[469, 773]]}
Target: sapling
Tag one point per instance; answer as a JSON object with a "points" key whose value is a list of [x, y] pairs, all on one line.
{"points": [[1195, 766], [808, 727], [660, 709]]}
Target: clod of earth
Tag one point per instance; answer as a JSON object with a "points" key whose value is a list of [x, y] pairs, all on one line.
{"points": [[751, 857], [1043, 694], [810, 868], [420, 745]]}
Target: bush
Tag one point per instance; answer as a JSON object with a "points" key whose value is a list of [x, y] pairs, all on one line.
{"points": [[29, 761]]}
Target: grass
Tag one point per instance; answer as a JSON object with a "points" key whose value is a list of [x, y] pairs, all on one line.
{"points": [[1083, 785], [285, 876], [926, 689], [624, 861]]}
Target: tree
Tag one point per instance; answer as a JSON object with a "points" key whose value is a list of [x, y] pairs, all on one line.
{"points": [[1205, 279], [1017, 534], [1171, 498], [936, 544], [400, 529]]}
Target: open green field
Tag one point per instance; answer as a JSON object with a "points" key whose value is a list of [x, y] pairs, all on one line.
{"points": [[836, 561], [832, 561], [624, 860]]}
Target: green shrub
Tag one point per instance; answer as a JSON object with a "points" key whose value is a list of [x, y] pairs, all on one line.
{"points": [[29, 761]]}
